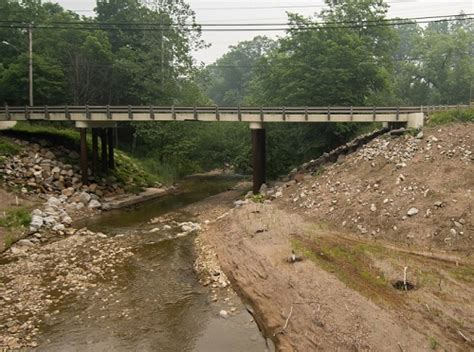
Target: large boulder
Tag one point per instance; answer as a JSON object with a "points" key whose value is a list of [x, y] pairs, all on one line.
{"points": [[94, 204], [36, 222], [84, 198]]}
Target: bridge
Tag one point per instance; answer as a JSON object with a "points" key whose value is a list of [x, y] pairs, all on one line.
{"points": [[103, 119]]}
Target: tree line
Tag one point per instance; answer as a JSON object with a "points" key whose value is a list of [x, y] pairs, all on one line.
{"points": [[348, 55]]}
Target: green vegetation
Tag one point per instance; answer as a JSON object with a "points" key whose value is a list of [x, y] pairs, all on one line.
{"points": [[15, 218], [351, 264], [61, 133], [9, 240], [460, 115], [433, 343], [257, 198], [463, 273], [8, 148], [133, 173]]}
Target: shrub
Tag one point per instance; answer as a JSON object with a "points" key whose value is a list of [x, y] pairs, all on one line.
{"points": [[458, 115]]}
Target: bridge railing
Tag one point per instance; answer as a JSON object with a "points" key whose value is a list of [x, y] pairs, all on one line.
{"points": [[7, 112]]}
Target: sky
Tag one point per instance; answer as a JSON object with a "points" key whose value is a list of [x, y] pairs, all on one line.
{"points": [[274, 11]]}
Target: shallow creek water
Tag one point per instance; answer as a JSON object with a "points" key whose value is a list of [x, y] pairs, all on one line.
{"points": [[158, 303]]}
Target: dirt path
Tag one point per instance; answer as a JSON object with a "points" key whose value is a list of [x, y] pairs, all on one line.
{"points": [[340, 296]]}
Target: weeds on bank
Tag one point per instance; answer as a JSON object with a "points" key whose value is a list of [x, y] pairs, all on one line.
{"points": [[15, 218], [350, 264], [8, 149], [465, 274], [257, 198], [459, 115], [9, 240], [433, 343]]}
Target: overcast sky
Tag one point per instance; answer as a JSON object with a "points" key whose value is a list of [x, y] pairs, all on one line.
{"points": [[273, 11]]}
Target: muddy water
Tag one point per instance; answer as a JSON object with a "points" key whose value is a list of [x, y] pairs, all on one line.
{"points": [[157, 304]]}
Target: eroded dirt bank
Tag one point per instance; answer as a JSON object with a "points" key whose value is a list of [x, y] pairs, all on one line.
{"points": [[400, 204]]}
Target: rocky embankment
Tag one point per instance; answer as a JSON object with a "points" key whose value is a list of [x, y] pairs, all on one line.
{"points": [[49, 174], [417, 189]]}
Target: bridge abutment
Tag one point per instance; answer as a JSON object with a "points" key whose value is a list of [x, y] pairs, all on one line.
{"points": [[258, 155]]}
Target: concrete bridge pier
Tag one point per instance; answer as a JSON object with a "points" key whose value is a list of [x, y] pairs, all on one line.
{"points": [[101, 129], [258, 155]]}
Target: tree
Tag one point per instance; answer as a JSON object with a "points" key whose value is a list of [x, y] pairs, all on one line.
{"points": [[322, 64], [226, 81], [436, 63]]}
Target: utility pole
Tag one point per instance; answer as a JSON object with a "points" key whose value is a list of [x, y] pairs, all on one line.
{"points": [[30, 63], [162, 54]]}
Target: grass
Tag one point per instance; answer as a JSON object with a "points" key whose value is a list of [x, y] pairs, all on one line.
{"points": [[16, 218], [351, 264], [461, 273], [55, 133], [9, 240], [433, 343], [164, 172], [8, 149], [451, 116], [131, 172]]}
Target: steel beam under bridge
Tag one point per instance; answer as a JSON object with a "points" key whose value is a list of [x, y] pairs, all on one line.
{"points": [[106, 117]]}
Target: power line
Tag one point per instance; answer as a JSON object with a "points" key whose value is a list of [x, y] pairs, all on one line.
{"points": [[255, 7], [254, 24], [153, 28]]}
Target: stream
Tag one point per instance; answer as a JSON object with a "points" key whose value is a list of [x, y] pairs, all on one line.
{"points": [[158, 303]]}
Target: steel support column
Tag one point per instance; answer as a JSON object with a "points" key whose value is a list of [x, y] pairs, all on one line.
{"points": [[258, 156], [95, 150], [103, 147], [110, 140], [84, 166]]}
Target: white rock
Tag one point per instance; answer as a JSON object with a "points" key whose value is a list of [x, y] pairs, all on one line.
{"points": [[373, 207], [59, 227], [53, 201], [223, 313], [412, 211], [25, 243], [240, 203], [94, 204], [36, 223], [67, 220], [166, 227], [37, 212], [156, 229], [50, 221], [85, 198]]}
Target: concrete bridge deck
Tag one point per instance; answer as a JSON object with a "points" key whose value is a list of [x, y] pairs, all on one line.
{"points": [[102, 119], [223, 114]]}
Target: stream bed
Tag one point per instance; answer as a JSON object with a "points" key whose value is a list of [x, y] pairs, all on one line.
{"points": [[157, 303]]}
